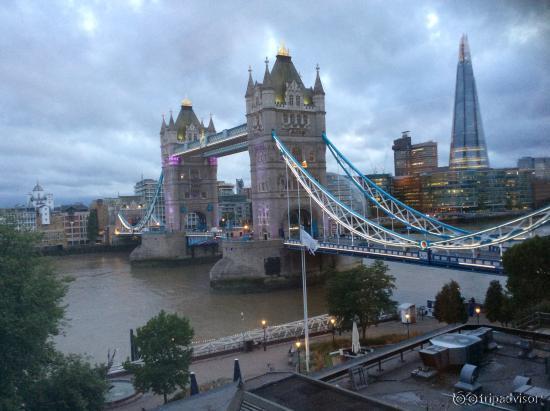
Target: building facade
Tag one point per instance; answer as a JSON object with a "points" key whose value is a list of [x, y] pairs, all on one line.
{"points": [[146, 188], [413, 158], [468, 148], [282, 102], [21, 218], [75, 223]]}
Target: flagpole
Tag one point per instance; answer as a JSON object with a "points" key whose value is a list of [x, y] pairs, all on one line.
{"points": [[304, 290]]}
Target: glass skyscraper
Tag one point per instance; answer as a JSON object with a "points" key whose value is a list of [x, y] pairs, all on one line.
{"points": [[468, 149]]}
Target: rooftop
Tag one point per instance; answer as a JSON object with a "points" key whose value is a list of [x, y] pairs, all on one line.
{"points": [[395, 385]]}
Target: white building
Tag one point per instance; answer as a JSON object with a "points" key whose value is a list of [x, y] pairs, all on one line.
{"points": [[42, 202]]}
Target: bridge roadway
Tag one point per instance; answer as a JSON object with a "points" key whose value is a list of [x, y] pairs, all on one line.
{"points": [[481, 261]]}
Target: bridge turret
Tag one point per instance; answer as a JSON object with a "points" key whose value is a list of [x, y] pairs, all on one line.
{"points": [[210, 129], [283, 103], [318, 92]]}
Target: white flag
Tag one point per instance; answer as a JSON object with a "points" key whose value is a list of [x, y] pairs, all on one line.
{"points": [[308, 241]]}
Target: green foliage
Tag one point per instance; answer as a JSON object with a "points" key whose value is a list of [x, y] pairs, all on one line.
{"points": [[449, 304], [93, 226], [68, 384], [528, 268], [362, 292], [496, 303], [30, 311], [31, 372], [164, 346]]}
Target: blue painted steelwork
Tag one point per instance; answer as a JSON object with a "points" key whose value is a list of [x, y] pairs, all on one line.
{"points": [[368, 229], [517, 229], [438, 228], [227, 134], [148, 213], [455, 261]]}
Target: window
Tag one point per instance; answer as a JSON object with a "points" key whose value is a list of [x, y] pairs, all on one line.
{"points": [[285, 118], [292, 118], [298, 101], [203, 194], [192, 221], [291, 100]]}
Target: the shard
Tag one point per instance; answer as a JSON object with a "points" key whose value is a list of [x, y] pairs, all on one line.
{"points": [[468, 149]]}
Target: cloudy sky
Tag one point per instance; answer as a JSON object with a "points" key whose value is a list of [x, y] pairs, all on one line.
{"points": [[84, 84]]}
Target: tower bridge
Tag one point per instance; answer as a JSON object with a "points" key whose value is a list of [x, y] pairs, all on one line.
{"points": [[284, 135]]}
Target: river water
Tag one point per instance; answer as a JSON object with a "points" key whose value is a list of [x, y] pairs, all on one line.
{"points": [[108, 296]]}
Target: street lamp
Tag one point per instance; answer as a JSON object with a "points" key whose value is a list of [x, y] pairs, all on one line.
{"points": [[333, 325], [72, 233], [298, 344], [264, 326], [408, 318], [478, 311], [242, 319]]}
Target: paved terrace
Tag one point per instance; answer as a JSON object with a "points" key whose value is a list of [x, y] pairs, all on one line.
{"points": [[258, 362]]}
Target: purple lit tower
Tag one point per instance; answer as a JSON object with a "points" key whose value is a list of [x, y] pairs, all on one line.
{"points": [[282, 102], [190, 183]]}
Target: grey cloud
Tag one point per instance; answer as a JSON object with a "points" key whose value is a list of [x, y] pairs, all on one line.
{"points": [[82, 110]]}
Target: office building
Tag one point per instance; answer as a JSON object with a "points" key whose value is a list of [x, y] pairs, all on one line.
{"points": [[411, 158], [468, 149]]}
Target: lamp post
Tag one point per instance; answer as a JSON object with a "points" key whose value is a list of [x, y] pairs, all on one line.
{"points": [[264, 326], [72, 233], [298, 344], [333, 328], [242, 319], [408, 318], [478, 311]]}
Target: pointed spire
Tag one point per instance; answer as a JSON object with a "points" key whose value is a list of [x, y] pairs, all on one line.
{"points": [[211, 128], [202, 123], [464, 49], [163, 126], [171, 122], [318, 87], [267, 83], [250, 86]]}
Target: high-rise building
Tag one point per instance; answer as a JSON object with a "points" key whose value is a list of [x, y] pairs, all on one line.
{"points": [[468, 149], [146, 189], [413, 158], [539, 165]]}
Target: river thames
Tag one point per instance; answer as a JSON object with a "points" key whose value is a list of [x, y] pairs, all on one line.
{"points": [[108, 296]]}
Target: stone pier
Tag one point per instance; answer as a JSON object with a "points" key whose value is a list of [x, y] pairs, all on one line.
{"points": [[262, 265]]}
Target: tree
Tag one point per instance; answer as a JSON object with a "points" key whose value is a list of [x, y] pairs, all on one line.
{"points": [[449, 304], [361, 293], [164, 346], [496, 303], [528, 268], [30, 313], [93, 226], [68, 384]]}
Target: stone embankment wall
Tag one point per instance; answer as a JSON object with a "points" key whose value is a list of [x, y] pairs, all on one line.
{"points": [[262, 265]]}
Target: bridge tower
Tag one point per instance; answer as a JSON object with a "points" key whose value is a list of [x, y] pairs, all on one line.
{"points": [[282, 102], [190, 183]]}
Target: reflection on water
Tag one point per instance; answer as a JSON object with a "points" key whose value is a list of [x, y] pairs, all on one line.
{"points": [[108, 297]]}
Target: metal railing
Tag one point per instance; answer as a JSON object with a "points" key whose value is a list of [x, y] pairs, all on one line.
{"points": [[274, 333]]}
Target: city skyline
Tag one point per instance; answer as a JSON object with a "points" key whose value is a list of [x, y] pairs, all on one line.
{"points": [[86, 121]]}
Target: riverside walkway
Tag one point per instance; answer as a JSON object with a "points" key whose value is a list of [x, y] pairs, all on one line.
{"points": [[258, 362]]}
